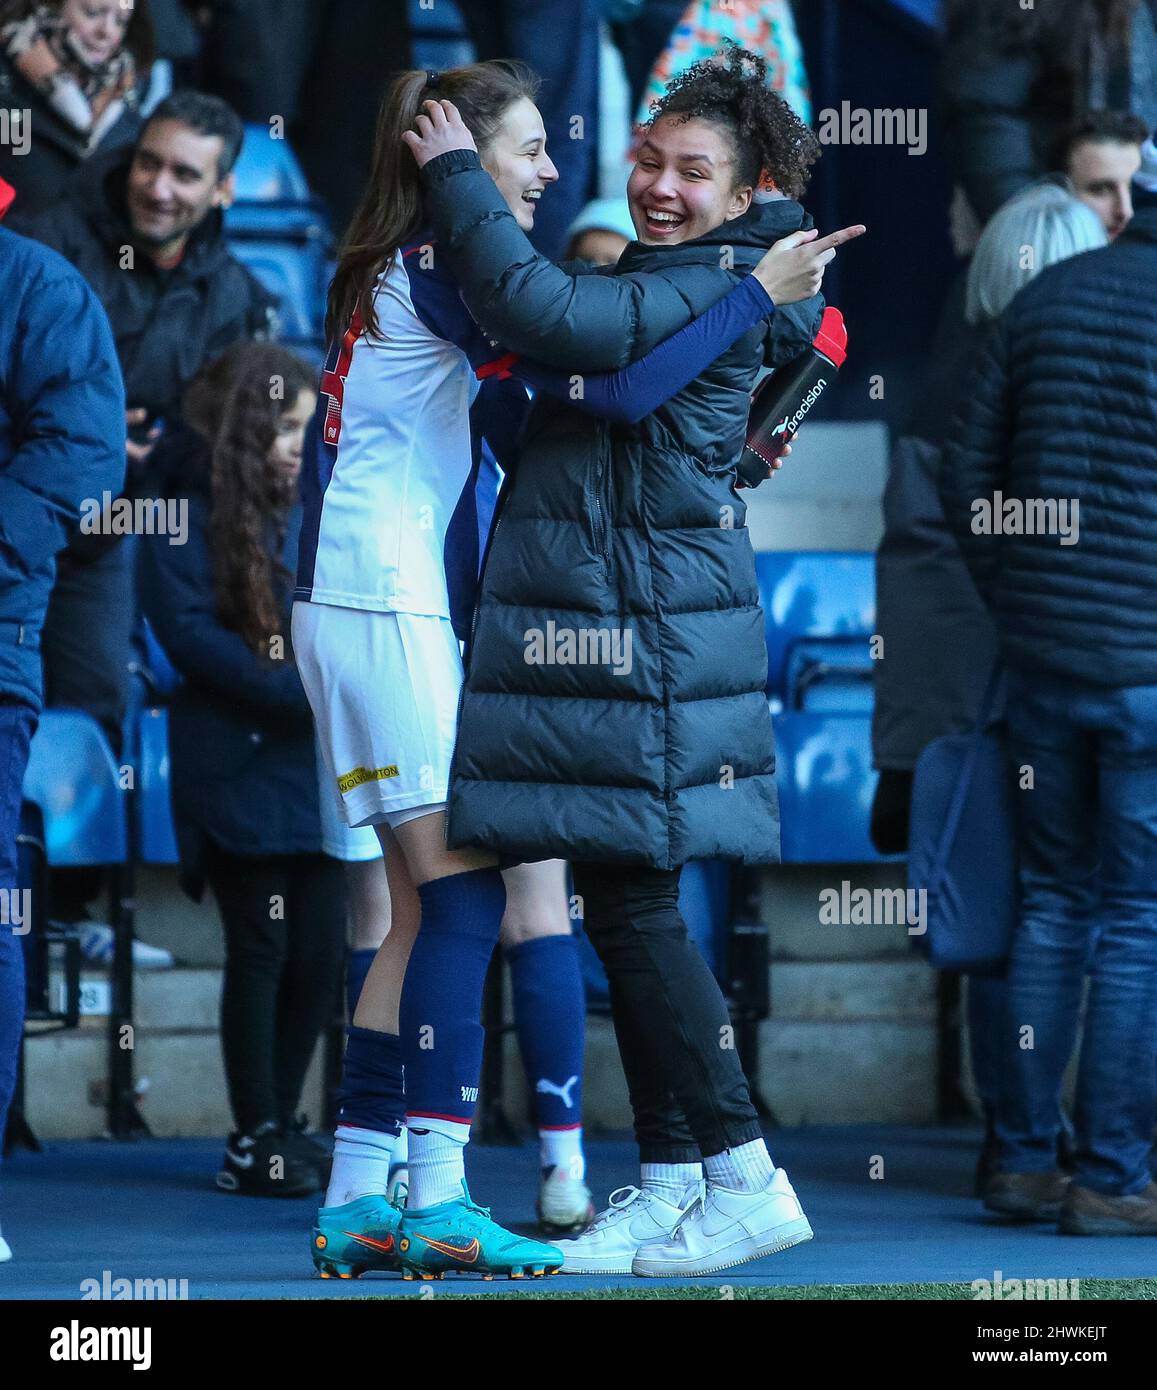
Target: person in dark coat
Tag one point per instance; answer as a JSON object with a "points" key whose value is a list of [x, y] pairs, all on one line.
{"points": [[1014, 77], [143, 225], [939, 639], [1050, 488], [614, 710], [77, 69], [244, 770], [61, 437]]}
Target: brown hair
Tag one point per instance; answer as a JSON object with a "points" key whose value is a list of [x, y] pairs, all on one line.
{"points": [[391, 208], [232, 403]]}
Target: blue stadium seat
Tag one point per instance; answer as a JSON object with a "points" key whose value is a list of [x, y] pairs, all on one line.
{"points": [[808, 595], [268, 171], [705, 905], [74, 780], [826, 784], [829, 673], [292, 273], [156, 841]]}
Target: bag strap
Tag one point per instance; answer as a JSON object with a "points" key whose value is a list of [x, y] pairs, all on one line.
{"points": [[964, 781]]}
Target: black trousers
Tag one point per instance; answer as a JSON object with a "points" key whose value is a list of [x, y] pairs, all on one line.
{"points": [[285, 921], [688, 1091]]}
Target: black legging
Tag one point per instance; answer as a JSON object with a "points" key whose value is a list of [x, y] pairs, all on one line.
{"points": [[687, 1087], [285, 919]]}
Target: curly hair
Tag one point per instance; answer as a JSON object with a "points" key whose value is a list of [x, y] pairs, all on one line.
{"points": [[251, 495], [773, 147]]}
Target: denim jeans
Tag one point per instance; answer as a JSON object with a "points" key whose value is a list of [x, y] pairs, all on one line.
{"points": [[1087, 839], [17, 721]]}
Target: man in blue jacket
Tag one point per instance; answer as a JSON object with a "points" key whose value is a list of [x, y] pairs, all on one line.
{"points": [[62, 414], [1050, 485]]}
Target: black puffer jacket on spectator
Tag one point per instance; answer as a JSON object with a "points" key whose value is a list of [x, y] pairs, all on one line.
{"points": [[1064, 406], [167, 324]]}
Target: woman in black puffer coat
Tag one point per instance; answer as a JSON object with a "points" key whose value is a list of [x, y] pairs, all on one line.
{"points": [[614, 711]]}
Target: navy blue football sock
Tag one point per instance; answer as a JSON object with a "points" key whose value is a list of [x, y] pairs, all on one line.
{"points": [[357, 968], [550, 1017], [371, 1094], [441, 1004]]}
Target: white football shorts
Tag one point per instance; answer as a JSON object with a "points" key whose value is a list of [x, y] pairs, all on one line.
{"points": [[384, 690]]}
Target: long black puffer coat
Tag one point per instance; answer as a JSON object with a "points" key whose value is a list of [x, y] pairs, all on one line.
{"points": [[650, 742]]}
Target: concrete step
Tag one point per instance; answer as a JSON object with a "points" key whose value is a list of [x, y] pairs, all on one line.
{"points": [[851, 1072], [853, 990], [181, 998], [792, 906], [67, 1073]]}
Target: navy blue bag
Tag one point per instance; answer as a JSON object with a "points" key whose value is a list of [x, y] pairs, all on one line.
{"points": [[962, 848]]}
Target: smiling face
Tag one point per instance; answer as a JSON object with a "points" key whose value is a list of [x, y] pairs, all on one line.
{"points": [[1102, 174], [174, 182], [96, 27], [683, 182], [517, 161]]}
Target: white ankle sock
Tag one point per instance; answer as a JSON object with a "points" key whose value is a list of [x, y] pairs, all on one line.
{"points": [[671, 1181], [437, 1165], [563, 1148], [746, 1168], [361, 1164], [401, 1150]]}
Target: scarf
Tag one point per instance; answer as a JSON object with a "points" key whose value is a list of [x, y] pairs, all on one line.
{"points": [[90, 100]]}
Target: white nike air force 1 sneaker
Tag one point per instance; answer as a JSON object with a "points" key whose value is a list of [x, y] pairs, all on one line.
{"points": [[726, 1228], [610, 1243]]}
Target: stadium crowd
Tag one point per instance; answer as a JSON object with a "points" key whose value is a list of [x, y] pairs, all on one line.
{"points": [[136, 352]]}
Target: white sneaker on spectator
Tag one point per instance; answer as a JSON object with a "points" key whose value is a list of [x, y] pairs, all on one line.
{"points": [[724, 1228], [610, 1242], [96, 946]]}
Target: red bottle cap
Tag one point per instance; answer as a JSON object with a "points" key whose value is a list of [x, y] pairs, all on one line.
{"points": [[832, 339]]}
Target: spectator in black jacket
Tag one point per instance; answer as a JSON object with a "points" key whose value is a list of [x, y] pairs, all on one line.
{"points": [[245, 776], [1050, 486], [75, 70], [144, 227], [1014, 78]]}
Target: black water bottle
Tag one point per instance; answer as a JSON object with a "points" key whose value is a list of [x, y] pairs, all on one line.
{"points": [[784, 399]]}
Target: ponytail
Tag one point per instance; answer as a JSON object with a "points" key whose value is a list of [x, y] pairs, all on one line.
{"points": [[390, 212]]}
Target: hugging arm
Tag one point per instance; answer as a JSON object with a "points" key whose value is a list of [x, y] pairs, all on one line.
{"points": [[635, 391]]}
